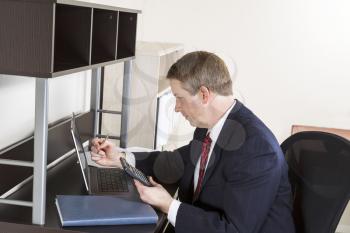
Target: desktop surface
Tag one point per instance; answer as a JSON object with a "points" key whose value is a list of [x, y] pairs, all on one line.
{"points": [[65, 179], [19, 228]]}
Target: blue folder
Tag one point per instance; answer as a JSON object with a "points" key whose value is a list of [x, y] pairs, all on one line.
{"points": [[79, 210]]}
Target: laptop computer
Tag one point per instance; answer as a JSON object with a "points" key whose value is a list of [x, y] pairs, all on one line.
{"points": [[101, 181]]}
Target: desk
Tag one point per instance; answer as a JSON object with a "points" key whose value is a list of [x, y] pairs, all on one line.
{"points": [[65, 178], [17, 228]]}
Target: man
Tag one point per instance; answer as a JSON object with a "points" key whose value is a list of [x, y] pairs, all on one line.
{"points": [[232, 176]]}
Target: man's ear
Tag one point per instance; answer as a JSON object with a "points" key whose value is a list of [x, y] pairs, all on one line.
{"points": [[204, 94]]}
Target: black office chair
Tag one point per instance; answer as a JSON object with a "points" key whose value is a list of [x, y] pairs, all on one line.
{"points": [[319, 172]]}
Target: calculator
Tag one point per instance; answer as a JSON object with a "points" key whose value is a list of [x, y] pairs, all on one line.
{"points": [[134, 172]]}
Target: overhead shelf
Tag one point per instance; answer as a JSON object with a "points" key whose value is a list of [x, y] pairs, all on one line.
{"points": [[49, 38]]}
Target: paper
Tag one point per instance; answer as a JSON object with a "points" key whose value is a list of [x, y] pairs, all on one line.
{"points": [[90, 162], [135, 149], [129, 149]]}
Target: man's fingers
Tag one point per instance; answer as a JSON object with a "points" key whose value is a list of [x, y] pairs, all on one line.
{"points": [[139, 186], [137, 183], [141, 189], [98, 144], [104, 145], [93, 141], [94, 149], [95, 156], [96, 141], [99, 153], [152, 181]]}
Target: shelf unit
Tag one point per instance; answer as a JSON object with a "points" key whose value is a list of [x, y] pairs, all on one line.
{"points": [[50, 38], [64, 36]]}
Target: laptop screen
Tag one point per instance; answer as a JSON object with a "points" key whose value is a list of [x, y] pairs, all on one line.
{"points": [[80, 151]]}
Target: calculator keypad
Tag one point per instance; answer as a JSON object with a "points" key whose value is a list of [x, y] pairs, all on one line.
{"points": [[134, 172]]}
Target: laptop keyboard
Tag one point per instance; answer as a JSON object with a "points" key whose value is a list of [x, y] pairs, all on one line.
{"points": [[112, 180]]}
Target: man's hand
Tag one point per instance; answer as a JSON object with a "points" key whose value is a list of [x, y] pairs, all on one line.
{"points": [[156, 195], [105, 153]]}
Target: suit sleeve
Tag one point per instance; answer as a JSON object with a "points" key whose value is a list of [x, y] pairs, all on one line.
{"points": [[166, 166], [252, 176]]}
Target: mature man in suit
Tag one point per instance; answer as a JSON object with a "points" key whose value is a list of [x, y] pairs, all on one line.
{"points": [[232, 176]]}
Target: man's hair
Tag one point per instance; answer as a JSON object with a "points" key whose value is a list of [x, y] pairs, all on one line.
{"points": [[202, 68]]}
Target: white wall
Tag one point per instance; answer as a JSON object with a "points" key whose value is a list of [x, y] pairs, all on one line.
{"points": [[292, 57], [67, 94], [292, 60]]}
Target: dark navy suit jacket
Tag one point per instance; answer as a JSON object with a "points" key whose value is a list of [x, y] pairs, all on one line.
{"points": [[245, 188]]}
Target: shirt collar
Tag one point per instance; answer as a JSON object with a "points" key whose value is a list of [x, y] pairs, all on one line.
{"points": [[216, 129]]}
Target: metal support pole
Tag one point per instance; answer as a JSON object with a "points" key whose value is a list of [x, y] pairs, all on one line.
{"points": [[125, 103], [95, 96], [40, 151]]}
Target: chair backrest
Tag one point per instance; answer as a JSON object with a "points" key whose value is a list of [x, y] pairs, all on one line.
{"points": [[319, 172], [345, 133]]}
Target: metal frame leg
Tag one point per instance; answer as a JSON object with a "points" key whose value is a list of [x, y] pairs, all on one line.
{"points": [[95, 96], [125, 103], [40, 151]]}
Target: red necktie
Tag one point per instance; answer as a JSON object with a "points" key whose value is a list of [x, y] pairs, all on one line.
{"points": [[204, 158]]}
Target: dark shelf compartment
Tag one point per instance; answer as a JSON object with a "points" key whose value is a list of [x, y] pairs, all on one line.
{"points": [[126, 35], [104, 36], [72, 37]]}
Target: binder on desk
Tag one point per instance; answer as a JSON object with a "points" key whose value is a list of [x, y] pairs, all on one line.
{"points": [[78, 210]]}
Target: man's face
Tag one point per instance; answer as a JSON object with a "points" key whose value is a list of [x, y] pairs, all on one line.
{"points": [[189, 105]]}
